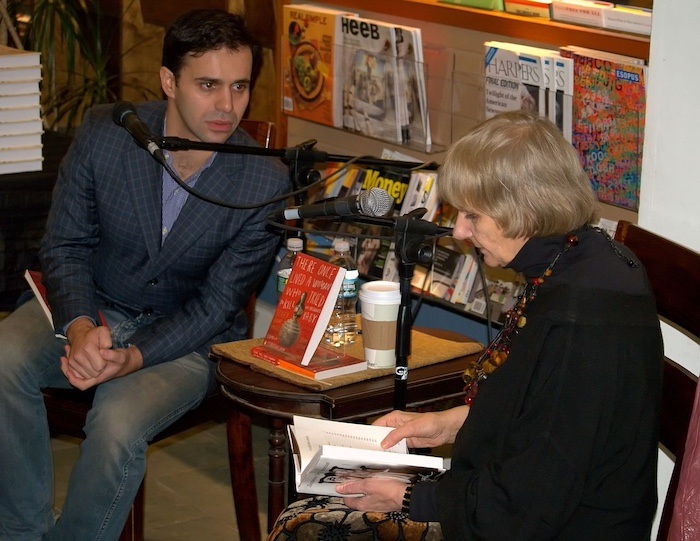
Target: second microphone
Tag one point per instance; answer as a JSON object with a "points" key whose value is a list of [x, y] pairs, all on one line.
{"points": [[374, 202]]}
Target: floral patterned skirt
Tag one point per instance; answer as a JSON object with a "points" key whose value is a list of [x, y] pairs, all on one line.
{"points": [[324, 518]]}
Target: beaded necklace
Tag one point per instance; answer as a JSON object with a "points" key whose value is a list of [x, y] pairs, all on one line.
{"points": [[497, 351]]}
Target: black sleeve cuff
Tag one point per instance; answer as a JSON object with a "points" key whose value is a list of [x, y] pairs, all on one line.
{"points": [[424, 503]]}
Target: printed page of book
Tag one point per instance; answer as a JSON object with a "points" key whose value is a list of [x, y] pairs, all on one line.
{"points": [[333, 465], [312, 433], [11, 58], [330, 452]]}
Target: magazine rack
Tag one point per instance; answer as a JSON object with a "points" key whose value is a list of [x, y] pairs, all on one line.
{"points": [[607, 130], [401, 101]]}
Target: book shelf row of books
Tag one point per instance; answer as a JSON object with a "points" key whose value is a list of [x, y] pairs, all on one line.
{"points": [[596, 13], [596, 98], [453, 278], [360, 74], [21, 127]]}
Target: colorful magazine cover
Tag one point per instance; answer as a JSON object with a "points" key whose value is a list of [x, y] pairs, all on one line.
{"points": [[370, 85], [310, 63], [608, 125]]}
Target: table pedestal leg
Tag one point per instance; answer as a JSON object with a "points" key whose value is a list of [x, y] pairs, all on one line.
{"points": [[276, 475], [240, 453]]}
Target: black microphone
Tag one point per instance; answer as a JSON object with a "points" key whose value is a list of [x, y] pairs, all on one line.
{"points": [[124, 114], [374, 202]]}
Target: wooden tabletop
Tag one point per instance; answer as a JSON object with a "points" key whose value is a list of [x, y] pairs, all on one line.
{"points": [[273, 397]]}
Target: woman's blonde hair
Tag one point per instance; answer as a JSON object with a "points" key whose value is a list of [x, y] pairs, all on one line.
{"points": [[518, 169]]}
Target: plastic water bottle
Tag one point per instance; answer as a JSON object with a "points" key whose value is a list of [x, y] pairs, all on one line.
{"points": [[294, 246], [342, 328]]}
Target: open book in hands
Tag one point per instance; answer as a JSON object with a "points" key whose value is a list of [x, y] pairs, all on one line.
{"points": [[327, 453]]}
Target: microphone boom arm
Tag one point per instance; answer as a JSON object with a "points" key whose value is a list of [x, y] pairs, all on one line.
{"points": [[290, 154], [410, 232]]}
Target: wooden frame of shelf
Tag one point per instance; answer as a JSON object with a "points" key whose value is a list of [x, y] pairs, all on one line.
{"points": [[506, 24]]}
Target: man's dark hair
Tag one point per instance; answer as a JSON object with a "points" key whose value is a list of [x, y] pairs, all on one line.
{"points": [[202, 30]]}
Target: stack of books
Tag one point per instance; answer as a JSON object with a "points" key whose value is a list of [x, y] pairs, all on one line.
{"points": [[603, 14], [496, 5], [20, 111]]}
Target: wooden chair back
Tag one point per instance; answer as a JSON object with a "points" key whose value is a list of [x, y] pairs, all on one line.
{"points": [[260, 130], [674, 275], [66, 409]]}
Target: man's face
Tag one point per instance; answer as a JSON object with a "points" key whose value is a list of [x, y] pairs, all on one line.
{"points": [[211, 95]]}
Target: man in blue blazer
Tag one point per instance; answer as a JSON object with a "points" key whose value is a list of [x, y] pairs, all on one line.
{"points": [[170, 273]]}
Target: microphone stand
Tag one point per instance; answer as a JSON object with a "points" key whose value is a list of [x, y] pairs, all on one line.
{"points": [[410, 240], [300, 160]]}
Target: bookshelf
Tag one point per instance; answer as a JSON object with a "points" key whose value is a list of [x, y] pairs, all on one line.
{"points": [[506, 25], [498, 22], [460, 31]]}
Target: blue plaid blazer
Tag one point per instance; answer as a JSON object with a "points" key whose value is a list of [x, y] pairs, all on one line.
{"points": [[103, 238]]}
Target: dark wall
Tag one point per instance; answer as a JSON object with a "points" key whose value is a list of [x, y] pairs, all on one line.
{"points": [[25, 199]]}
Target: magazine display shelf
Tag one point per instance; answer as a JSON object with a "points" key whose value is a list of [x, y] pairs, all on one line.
{"points": [[454, 77], [499, 22], [452, 101], [475, 311], [543, 31]]}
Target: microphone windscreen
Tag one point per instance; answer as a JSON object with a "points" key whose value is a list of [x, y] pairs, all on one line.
{"points": [[120, 109], [375, 202]]}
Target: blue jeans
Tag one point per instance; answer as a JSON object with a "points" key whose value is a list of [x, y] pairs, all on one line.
{"points": [[127, 413]]}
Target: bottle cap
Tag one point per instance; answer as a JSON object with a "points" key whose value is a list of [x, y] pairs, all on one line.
{"points": [[341, 246], [295, 244]]}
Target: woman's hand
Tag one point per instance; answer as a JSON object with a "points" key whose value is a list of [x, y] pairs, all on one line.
{"points": [[423, 429], [381, 495]]}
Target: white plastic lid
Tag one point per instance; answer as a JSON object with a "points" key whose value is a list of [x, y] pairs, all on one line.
{"points": [[295, 244], [380, 292], [341, 246]]}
